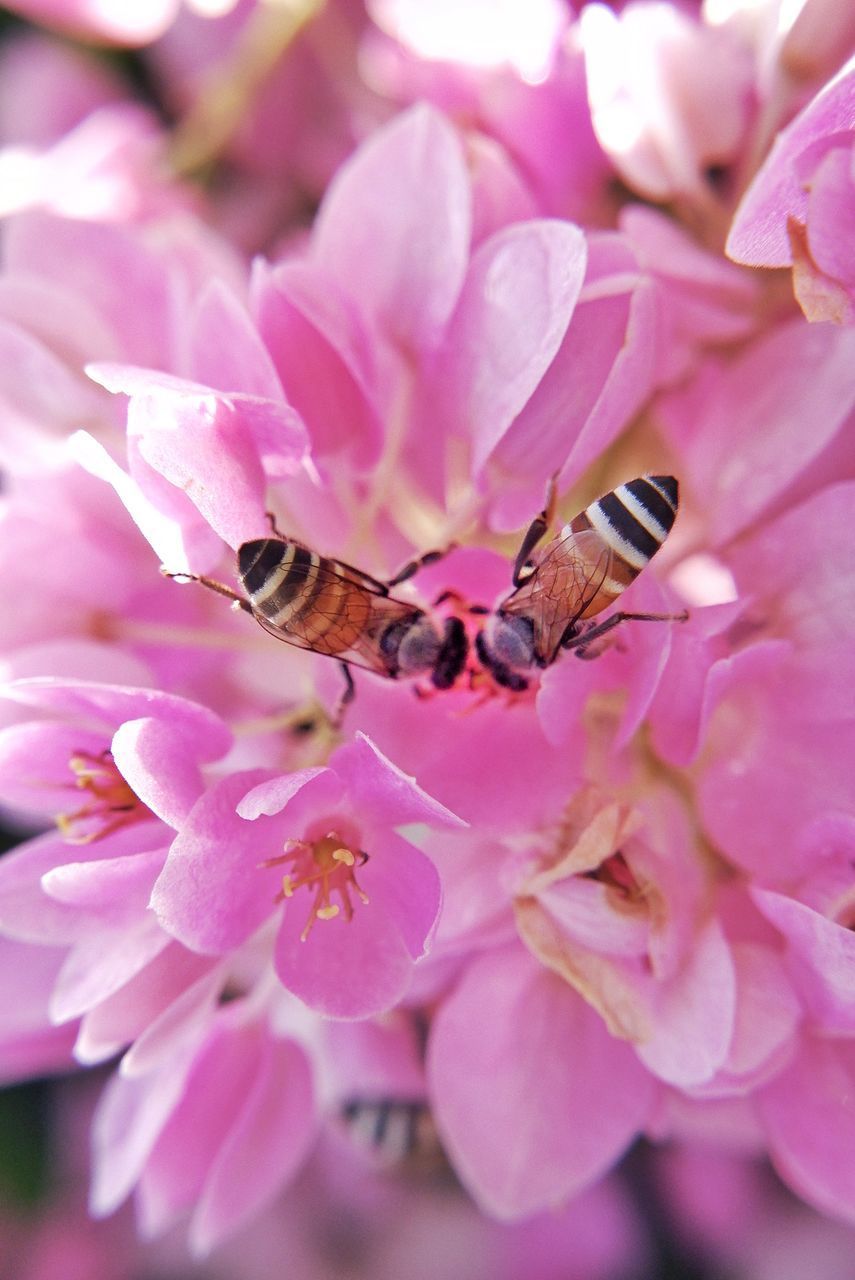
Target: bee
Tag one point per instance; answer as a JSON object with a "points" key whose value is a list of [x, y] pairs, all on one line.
{"points": [[576, 575], [329, 607], [398, 1133]]}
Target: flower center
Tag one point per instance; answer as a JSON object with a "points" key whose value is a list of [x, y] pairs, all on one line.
{"points": [[325, 866], [616, 874], [110, 803]]}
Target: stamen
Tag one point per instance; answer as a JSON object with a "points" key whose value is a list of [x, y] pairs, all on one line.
{"points": [[325, 865], [111, 803]]}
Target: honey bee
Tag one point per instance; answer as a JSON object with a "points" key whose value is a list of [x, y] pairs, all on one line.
{"points": [[329, 607], [398, 1133], [576, 575]]}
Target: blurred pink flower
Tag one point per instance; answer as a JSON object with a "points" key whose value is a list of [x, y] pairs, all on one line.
{"points": [[798, 211], [128, 22], [614, 904]]}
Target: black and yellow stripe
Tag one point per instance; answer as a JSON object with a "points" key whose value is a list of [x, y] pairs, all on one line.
{"points": [[631, 522], [308, 597], [636, 518]]}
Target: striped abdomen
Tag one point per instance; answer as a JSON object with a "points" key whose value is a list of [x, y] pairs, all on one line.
{"points": [[632, 522], [314, 600]]}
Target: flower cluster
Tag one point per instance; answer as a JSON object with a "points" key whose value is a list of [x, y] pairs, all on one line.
{"points": [[551, 915]]}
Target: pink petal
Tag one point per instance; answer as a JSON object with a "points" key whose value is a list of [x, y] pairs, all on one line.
{"points": [[601, 373], [382, 792], [747, 419], [226, 350], [180, 543], [222, 1072], [274, 794], [35, 773], [179, 1023], [211, 894], [759, 788], [694, 1014], [29, 1044], [39, 388], [202, 446], [264, 1148], [161, 762], [139, 1008], [127, 1123], [323, 356], [344, 969], [758, 235], [100, 964], [514, 1041], [822, 959], [831, 213], [395, 226], [380, 1059], [88, 700], [808, 1112], [768, 1011], [30, 914], [405, 886], [94, 260], [516, 304], [115, 889], [583, 910], [800, 566]]}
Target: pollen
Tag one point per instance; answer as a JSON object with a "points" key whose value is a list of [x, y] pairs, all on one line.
{"points": [[110, 803], [324, 867]]}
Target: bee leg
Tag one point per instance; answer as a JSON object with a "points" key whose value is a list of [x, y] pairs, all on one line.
{"points": [[412, 566], [536, 532], [476, 610], [580, 642], [348, 693], [274, 528], [220, 587]]}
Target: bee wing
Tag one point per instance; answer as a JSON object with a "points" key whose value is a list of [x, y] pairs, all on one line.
{"points": [[350, 625], [566, 578]]}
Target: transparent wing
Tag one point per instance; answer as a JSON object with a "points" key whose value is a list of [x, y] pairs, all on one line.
{"points": [[565, 580], [345, 620]]}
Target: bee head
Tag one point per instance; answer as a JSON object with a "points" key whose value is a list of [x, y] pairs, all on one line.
{"points": [[510, 640]]}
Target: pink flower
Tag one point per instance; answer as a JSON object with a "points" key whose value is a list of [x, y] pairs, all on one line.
{"points": [[799, 208], [669, 97], [331, 830], [109, 20], [542, 921], [500, 1048]]}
